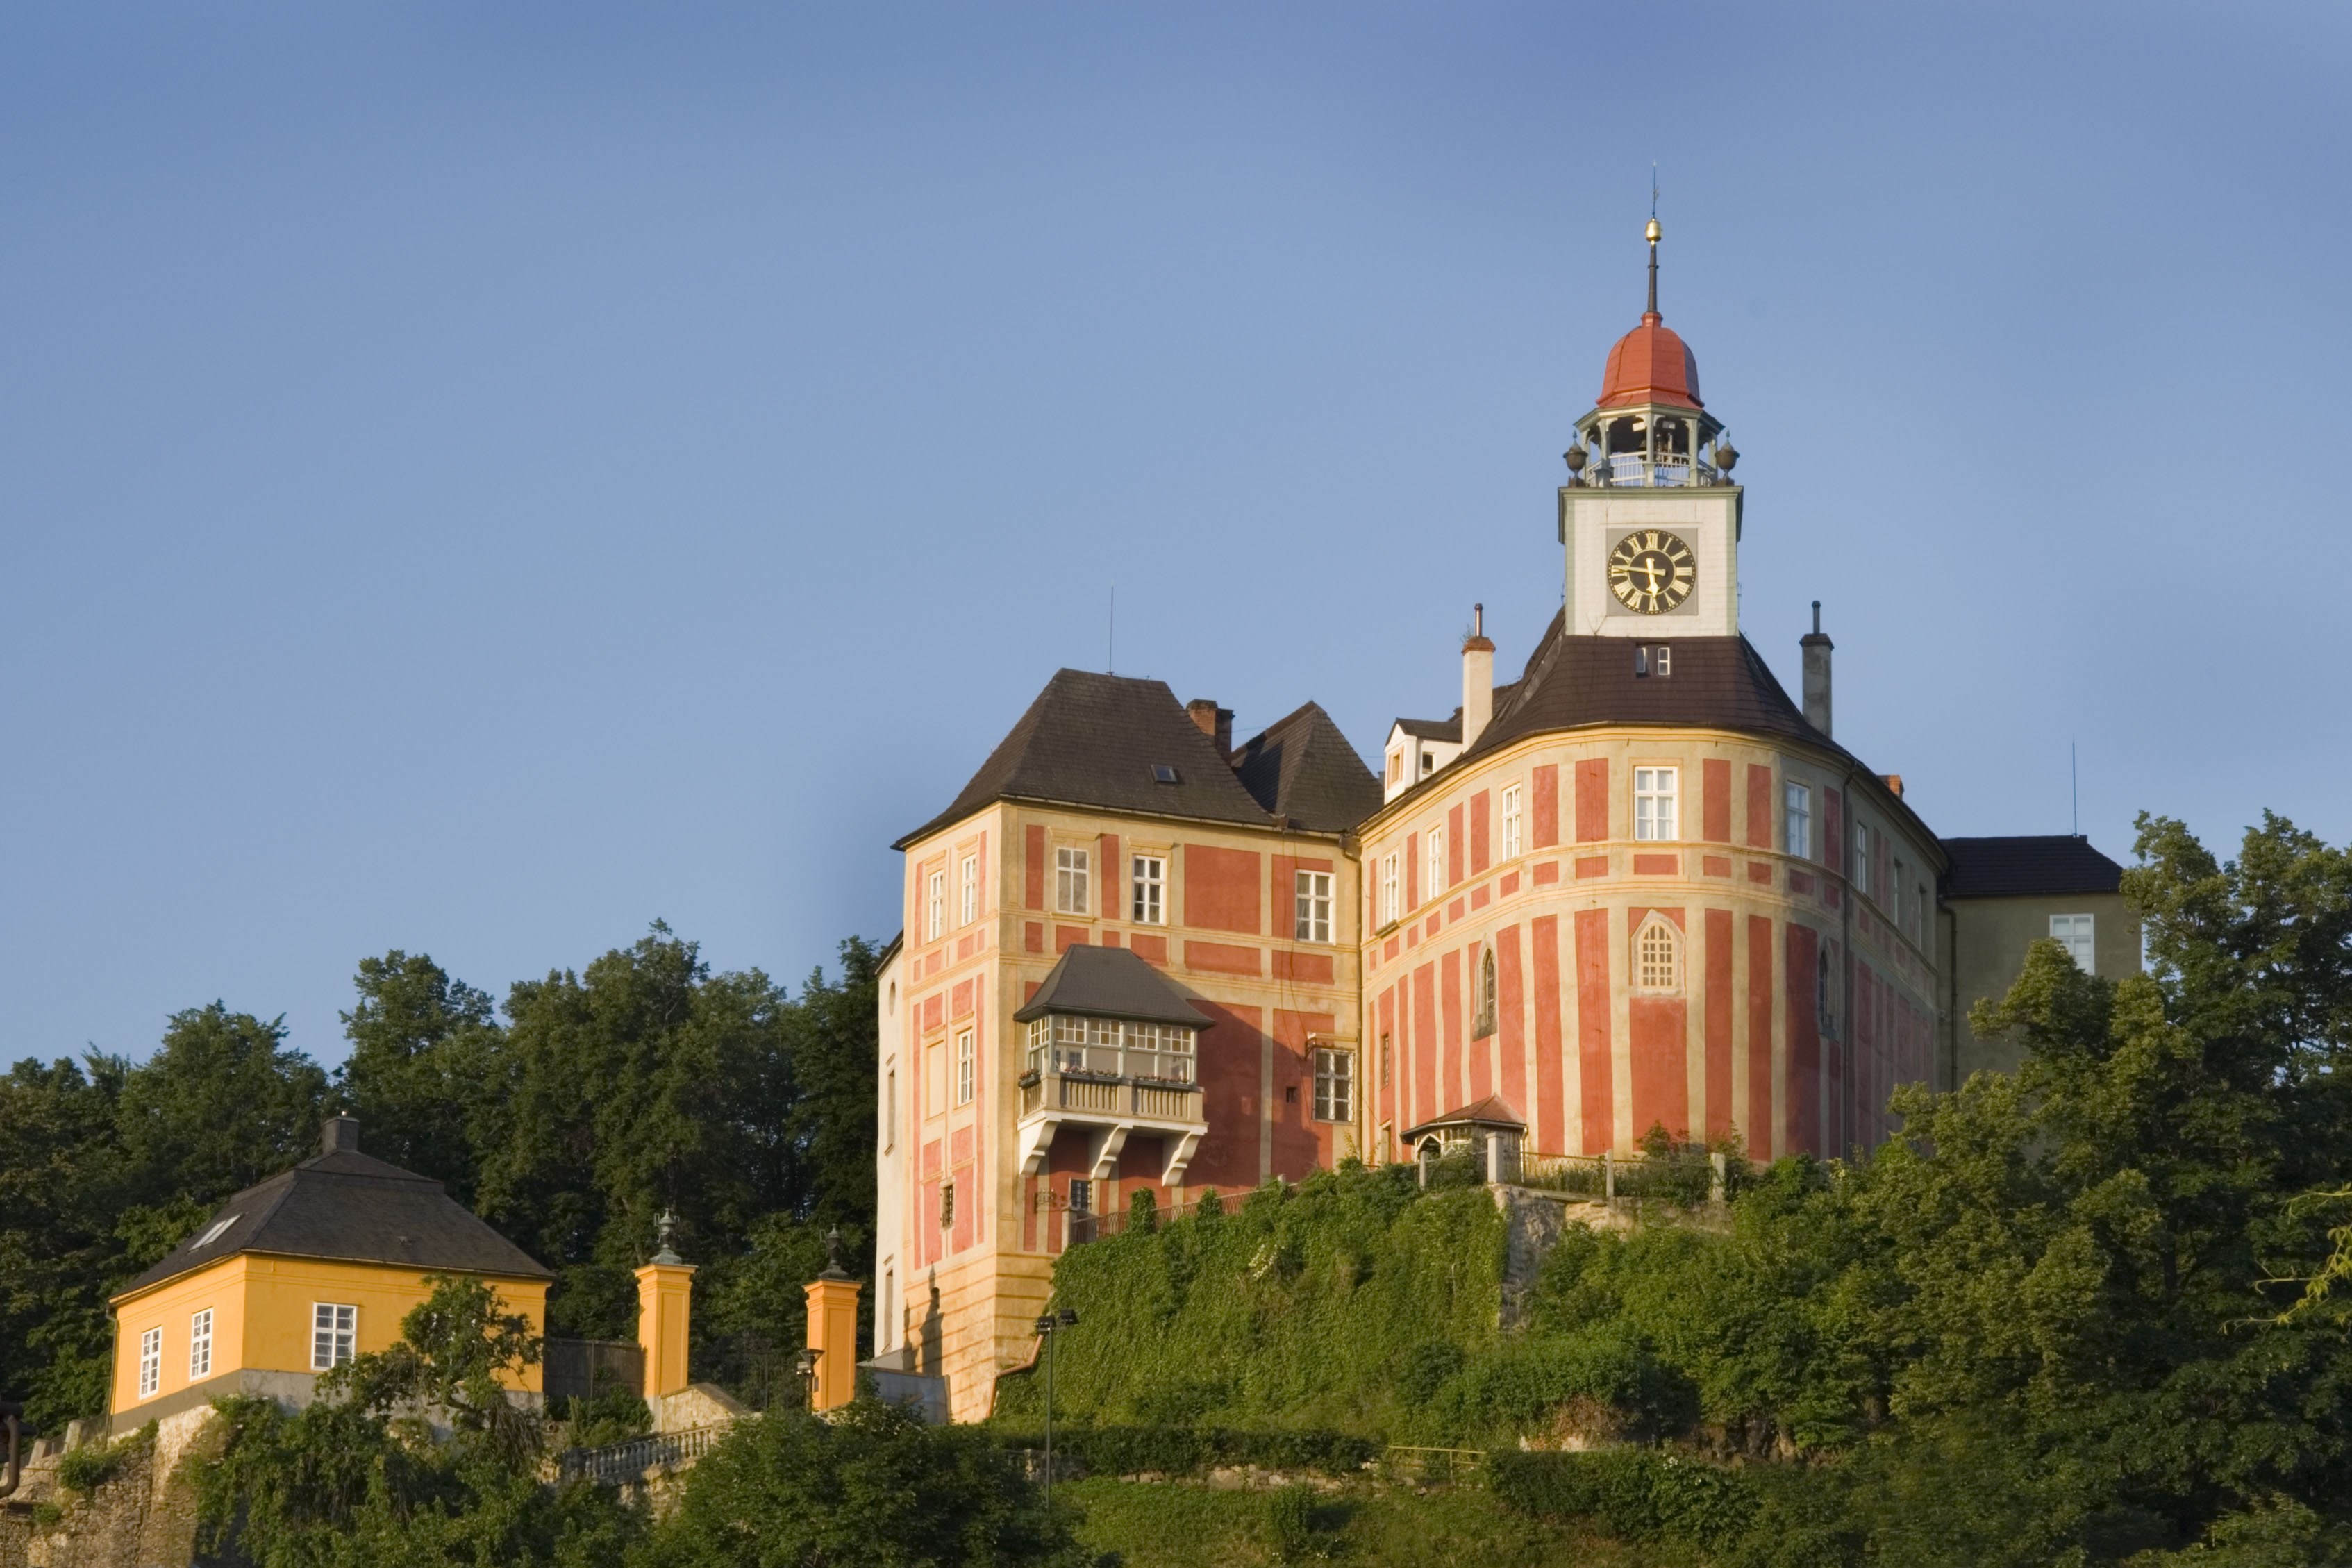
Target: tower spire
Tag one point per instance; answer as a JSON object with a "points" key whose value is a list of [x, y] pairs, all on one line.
{"points": [[1654, 239]]}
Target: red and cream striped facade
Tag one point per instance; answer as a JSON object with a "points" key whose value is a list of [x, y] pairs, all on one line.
{"points": [[1796, 1003]]}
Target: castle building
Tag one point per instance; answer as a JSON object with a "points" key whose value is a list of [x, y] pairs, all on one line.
{"points": [[1638, 888]]}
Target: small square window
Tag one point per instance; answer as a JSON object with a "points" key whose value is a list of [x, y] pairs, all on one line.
{"points": [[1653, 805], [2075, 932], [1071, 867], [1146, 890], [200, 1345], [1163, 773], [1313, 900], [1335, 1085], [334, 1334]]}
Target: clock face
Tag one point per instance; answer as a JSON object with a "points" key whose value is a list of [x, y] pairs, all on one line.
{"points": [[1651, 572]]}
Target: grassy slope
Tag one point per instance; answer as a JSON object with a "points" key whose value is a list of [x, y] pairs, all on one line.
{"points": [[1156, 1525]]}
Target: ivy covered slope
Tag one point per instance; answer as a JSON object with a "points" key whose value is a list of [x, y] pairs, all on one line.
{"points": [[1295, 1306]]}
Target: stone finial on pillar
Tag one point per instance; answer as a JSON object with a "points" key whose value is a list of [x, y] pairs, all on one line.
{"points": [[833, 1332], [665, 1302]]}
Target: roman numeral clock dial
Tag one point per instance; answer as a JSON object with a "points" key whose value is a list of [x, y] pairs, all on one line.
{"points": [[1651, 572]]}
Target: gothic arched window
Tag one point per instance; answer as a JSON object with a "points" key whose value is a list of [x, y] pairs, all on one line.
{"points": [[1484, 1024], [1658, 957]]}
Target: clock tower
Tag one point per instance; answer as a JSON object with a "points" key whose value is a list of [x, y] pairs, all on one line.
{"points": [[1650, 516]]}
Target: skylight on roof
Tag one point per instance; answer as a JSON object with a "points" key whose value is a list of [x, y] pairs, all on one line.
{"points": [[215, 1232], [1163, 773]]}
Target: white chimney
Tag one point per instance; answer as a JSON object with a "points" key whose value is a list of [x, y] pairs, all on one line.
{"points": [[1477, 678]]}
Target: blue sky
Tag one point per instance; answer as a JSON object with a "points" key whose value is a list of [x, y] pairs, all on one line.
{"points": [[478, 479]]}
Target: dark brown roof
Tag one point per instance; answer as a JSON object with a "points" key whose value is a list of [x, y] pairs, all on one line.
{"points": [[1718, 683], [1111, 983], [1492, 1112], [352, 1206], [2027, 865], [1570, 681], [1433, 729], [1095, 740], [1303, 768]]}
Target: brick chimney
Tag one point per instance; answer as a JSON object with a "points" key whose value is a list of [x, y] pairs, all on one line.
{"points": [[1215, 722], [1477, 678], [340, 1132], [1817, 645]]}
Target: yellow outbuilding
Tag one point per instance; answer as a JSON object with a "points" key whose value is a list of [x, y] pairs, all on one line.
{"points": [[298, 1274]]}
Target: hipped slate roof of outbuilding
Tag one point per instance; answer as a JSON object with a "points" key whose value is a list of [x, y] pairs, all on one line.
{"points": [[1111, 983], [355, 1208], [2025, 866]]}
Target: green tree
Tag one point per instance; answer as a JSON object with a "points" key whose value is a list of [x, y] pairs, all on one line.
{"points": [[223, 1104], [427, 1058], [362, 1479], [641, 1085], [874, 1485]]}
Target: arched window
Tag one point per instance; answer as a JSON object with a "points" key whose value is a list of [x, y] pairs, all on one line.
{"points": [[1484, 1023], [1658, 957]]}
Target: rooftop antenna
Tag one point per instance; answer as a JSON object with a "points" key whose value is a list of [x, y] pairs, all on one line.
{"points": [[2075, 787], [1653, 236], [1110, 634]]}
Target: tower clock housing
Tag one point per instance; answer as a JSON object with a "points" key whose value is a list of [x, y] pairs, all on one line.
{"points": [[1650, 516]]}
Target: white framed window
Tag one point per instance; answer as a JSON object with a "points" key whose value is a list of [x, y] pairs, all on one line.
{"points": [[935, 900], [2075, 930], [1148, 884], [1861, 869], [334, 1334], [1081, 1196], [1797, 820], [1071, 868], [1436, 883], [1335, 1085], [1312, 899], [151, 1363], [1655, 797], [967, 1067], [1658, 956], [1514, 823], [200, 1344], [1389, 907], [969, 909]]}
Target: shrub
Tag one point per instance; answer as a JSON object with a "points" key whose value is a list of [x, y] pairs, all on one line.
{"points": [[91, 1465], [1640, 1494], [1290, 1530], [1189, 1451]]}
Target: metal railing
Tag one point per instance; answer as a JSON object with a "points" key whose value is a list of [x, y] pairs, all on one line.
{"points": [[1684, 1178], [1664, 472], [621, 1462], [1430, 1467]]}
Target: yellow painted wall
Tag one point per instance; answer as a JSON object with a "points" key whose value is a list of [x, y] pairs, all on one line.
{"points": [[262, 1317]]}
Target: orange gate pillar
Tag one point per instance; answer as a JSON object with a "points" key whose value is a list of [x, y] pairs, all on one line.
{"points": [[833, 1332], [665, 1298]]}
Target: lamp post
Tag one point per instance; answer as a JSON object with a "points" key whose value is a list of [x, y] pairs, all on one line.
{"points": [[806, 1363], [1048, 1324]]}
